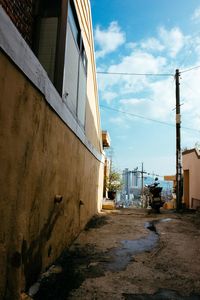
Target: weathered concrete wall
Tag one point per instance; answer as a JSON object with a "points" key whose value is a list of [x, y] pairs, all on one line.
{"points": [[191, 162], [40, 158]]}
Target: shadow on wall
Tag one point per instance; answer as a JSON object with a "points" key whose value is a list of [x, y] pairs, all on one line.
{"points": [[31, 256], [41, 143]]}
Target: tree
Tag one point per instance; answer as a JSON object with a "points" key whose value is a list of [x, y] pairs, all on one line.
{"points": [[114, 181]]}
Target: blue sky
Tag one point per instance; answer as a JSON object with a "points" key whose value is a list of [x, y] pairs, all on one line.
{"points": [[147, 36]]}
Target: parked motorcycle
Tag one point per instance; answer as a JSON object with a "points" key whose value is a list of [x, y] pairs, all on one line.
{"points": [[154, 196]]}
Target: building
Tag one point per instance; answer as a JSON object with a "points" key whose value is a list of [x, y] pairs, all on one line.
{"points": [[191, 178], [51, 154], [131, 183]]}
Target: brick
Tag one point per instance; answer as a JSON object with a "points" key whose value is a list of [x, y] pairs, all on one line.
{"points": [[21, 14]]}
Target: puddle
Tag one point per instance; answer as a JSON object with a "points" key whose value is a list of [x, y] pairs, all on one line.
{"points": [[123, 255], [74, 266], [163, 220], [151, 225]]}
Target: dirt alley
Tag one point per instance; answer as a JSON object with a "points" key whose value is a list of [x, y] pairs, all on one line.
{"points": [[129, 254]]}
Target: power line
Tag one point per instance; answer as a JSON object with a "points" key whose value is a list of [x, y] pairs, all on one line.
{"points": [[145, 74], [134, 115], [145, 118], [132, 74], [135, 171], [189, 52], [188, 70]]}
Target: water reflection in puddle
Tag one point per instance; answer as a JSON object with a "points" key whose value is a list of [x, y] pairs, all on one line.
{"points": [[164, 220], [123, 255]]}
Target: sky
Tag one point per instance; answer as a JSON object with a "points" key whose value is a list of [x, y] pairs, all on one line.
{"points": [[138, 111]]}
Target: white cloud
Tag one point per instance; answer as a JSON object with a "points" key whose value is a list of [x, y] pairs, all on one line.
{"points": [[157, 105], [196, 46], [109, 39], [136, 62], [173, 40], [152, 44], [189, 138], [139, 62], [133, 101], [163, 93], [191, 93], [119, 121], [116, 120], [196, 15], [109, 96], [131, 45], [133, 93]]}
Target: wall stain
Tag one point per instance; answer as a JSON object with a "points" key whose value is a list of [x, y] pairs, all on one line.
{"points": [[16, 259], [44, 156], [32, 255]]}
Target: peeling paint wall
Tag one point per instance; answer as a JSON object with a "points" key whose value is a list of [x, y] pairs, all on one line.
{"points": [[40, 158]]}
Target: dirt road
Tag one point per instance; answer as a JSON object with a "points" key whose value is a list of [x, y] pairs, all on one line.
{"points": [[129, 254]]}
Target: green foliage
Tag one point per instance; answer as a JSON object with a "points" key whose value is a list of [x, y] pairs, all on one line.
{"points": [[114, 181]]}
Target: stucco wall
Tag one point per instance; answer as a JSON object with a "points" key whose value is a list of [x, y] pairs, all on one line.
{"points": [[40, 157], [191, 162]]}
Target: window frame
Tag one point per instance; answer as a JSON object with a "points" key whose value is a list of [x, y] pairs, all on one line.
{"points": [[82, 59], [62, 13], [66, 13]]}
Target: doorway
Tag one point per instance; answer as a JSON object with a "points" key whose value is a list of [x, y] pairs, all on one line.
{"points": [[186, 182]]}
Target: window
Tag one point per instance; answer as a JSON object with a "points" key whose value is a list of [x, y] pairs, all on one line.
{"points": [[47, 19], [59, 47], [74, 24], [75, 69], [50, 37]]}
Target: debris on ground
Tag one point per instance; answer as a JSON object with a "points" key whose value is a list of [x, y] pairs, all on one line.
{"points": [[130, 254]]}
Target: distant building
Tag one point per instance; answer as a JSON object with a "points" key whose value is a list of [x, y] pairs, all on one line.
{"points": [[131, 183]]}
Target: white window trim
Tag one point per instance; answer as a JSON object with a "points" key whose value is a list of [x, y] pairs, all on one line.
{"points": [[12, 43]]}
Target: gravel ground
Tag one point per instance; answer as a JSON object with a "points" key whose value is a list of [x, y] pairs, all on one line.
{"points": [[129, 254]]}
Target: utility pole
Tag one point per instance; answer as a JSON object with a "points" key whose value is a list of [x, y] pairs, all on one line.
{"points": [[178, 143], [142, 173], [110, 155]]}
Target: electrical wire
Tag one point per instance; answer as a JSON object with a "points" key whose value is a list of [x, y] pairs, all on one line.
{"points": [[145, 118], [191, 45], [135, 115], [188, 70], [145, 74], [132, 74]]}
